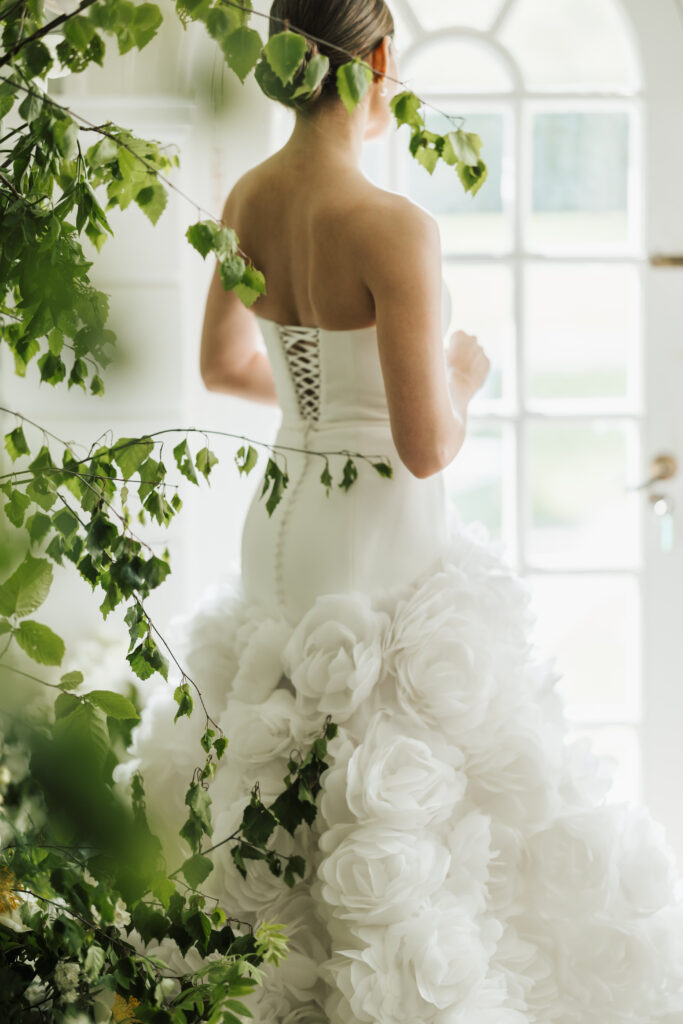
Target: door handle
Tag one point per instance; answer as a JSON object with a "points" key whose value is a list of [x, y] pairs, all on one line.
{"points": [[662, 467]]}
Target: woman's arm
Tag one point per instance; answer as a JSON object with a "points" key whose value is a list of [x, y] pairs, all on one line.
{"points": [[401, 265], [230, 360]]}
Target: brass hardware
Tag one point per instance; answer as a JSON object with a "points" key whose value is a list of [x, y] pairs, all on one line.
{"points": [[660, 259], [662, 467]]}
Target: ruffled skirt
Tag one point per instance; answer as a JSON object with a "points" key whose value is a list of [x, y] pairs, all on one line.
{"points": [[464, 866]]}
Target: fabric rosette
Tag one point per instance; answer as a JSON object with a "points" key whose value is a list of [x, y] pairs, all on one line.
{"points": [[418, 967], [257, 734], [374, 874], [297, 976], [394, 778], [574, 854], [334, 656]]}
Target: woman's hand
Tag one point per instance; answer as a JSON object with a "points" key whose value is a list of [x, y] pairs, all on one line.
{"points": [[468, 364]]}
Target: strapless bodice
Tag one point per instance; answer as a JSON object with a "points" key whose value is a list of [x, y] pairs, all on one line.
{"points": [[375, 534]]}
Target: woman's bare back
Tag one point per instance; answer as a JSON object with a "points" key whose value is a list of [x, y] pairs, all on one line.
{"points": [[308, 228]]}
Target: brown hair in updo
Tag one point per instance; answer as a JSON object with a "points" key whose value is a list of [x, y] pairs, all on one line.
{"points": [[356, 26]]}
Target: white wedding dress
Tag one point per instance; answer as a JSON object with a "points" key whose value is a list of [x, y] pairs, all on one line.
{"points": [[464, 866]]}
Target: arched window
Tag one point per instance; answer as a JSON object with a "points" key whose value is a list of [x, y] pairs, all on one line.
{"points": [[544, 265]]}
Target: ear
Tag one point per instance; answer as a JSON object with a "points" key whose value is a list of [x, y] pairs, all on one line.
{"points": [[379, 58]]}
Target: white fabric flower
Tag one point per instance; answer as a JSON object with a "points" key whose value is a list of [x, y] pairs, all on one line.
{"points": [[297, 976], [334, 654], [393, 778], [417, 967], [646, 863], [376, 874], [575, 854], [258, 733], [611, 968], [515, 769]]}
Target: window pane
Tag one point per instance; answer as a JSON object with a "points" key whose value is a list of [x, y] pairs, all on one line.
{"points": [[475, 477], [582, 331], [468, 223], [455, 65], [562, 44], [442, 13], [580, 513], [482, 304], [579, 187], [590, 624], [622, 743]]}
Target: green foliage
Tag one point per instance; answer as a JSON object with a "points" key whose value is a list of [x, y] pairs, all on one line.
{"points": [[457, 149]]}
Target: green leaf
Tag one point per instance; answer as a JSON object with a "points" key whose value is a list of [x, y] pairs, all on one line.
{"points": [[94, 962], [316, 69], [326, 477], [152, 200], [242, 48], [196, 869], [406, 109], [146, 21], [79, 31], [350, 474], [252, 285], [31, 107], [183, 459], [15, 507], [65, 134], [246, 459], [65, 521], [8, 93], [16, 444], [353, 81], [463, 147], [383, 468], [205, 460], [284, 51], [232, 270], [198, 799], [37, 56], [38, 526], [202, 236], [427, 157], [103, 152], [183, 698], [100, 535], [113, 704], [257, 824], [39, 642], [70, 680], [27, 587], [129, 453]]}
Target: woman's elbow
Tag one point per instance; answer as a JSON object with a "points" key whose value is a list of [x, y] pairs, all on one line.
{"points": [[429, 460]]}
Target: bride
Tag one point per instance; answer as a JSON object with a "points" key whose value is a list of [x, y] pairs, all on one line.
{"points": [[464, 866]]}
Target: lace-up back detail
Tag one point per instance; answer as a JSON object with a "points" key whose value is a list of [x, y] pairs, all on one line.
{"points": [[302, 350]]}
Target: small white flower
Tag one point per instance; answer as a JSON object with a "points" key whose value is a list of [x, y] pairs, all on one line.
{"points": [[121, 915], [66, 975], [5, 775]]}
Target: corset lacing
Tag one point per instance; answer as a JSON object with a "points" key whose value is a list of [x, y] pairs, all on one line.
{"points": [[302, 350]]}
